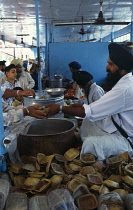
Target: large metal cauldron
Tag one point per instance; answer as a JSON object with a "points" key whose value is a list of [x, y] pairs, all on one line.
{"points": [[48, 136]]}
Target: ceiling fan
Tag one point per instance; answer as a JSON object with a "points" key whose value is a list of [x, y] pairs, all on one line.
{"points": [[98, 21], [22, 34], [32, 45], [82, 30], [22, 42], [91, 40], [100, 18], [102, 21]]}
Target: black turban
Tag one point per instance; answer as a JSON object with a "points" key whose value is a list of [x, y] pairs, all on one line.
{"points": [[82, 77], [2, 63], [121, 56]]}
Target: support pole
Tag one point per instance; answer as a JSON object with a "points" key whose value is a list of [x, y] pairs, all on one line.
{"points": [[16, 43], [112, 34], [131, 32], [2, 148], [47, 50], [3, 38], [38, 46]]}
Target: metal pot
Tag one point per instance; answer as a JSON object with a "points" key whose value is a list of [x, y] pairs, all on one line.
{"points": [[54, 82], [48, 136]]}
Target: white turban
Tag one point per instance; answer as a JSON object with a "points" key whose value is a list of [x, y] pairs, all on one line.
{"points": [[17, 61]]}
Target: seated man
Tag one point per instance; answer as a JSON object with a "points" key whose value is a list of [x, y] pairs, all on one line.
{"points": [[91, 90], [75, 67], [92, 93], [105, 138]]}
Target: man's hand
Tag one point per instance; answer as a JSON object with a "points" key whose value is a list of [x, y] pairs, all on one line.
{"points": [[13, 93], [35, 111], [66, 80], [52, 109], [27, 92], [75, 110]]}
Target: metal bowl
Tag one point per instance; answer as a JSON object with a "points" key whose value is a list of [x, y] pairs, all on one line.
{"points": [[55, 91]]}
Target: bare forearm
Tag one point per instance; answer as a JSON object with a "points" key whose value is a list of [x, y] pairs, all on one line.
{"points": [[9, 93], [13, 93]]}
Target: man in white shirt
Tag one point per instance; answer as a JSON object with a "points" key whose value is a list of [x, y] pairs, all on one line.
{"points": [[105, 140], [91, 90]]}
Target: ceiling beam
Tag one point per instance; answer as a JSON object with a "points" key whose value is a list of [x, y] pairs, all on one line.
{"points": [[95, 23]]}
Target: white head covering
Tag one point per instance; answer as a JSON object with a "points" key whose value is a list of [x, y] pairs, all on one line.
{"points": [[17, 61]]}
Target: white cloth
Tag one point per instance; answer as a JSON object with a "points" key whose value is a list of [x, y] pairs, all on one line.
{"points": [[78, 93], [102, 144], [26, 82], [95, 93], [1, 75], [101, 137], [10, 140], [11, 114]]}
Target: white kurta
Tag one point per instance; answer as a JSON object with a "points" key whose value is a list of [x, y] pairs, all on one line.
{"points": [[26, 81], [102, 138], [95, 93]]}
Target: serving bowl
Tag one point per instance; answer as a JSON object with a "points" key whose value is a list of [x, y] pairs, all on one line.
{"points": [[55, 91]]}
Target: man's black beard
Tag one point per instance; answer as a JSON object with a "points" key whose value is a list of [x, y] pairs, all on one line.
{"points": [[86, 90], [112, 78], [18, 74], [3, 70]]}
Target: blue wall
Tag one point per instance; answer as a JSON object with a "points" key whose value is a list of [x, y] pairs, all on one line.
{"points": [[92, 56]]}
